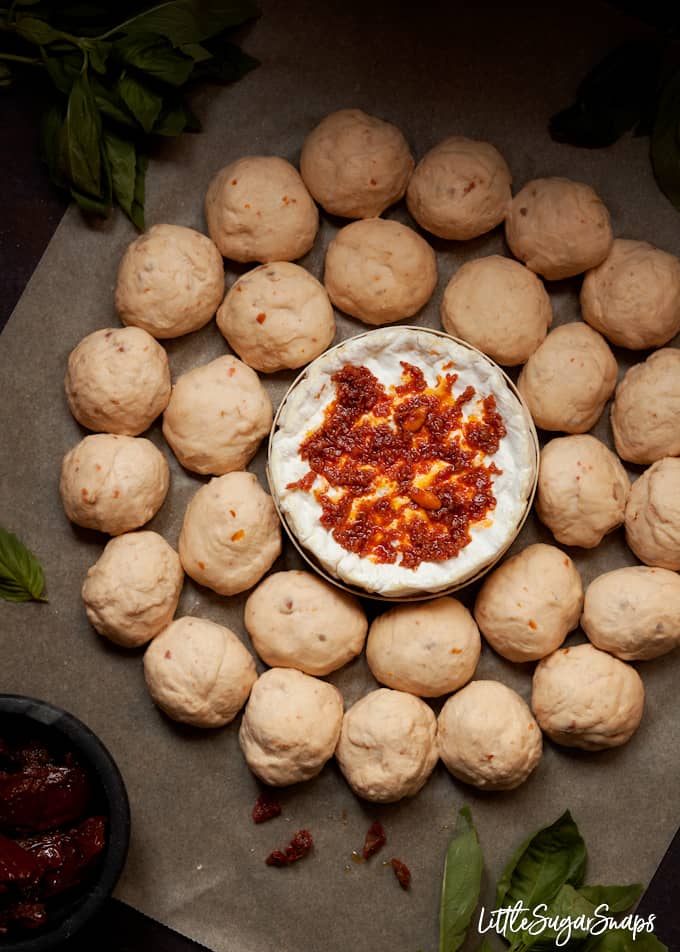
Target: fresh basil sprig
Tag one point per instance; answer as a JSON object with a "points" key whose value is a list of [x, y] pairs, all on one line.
{"points": [[460, 884], [21, 576], [116, 87]]}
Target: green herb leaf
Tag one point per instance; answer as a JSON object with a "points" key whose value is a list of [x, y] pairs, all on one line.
{"points": [[98, 54], [36, 31], [484, 946], [567, 907], [111, 106], [156, 57], [83, 127], [122, 158], [616, 898], [143, 103], [90, 205], [5, 75], [228, 64], [460, 884], [173, 119], [63, 69], [665, 143], [21, 575], [197, 52], [184, 21], [621, 940], [137, 214], [550, 858], [50, 133]]}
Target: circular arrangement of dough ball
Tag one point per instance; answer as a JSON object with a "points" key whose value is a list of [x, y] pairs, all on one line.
{"points": [[296, 620], [633, 297], [199, 672], [379, 271], [217, 416], [460, 189], [633, 612], [258, 209], [498, 306], [118, 381], [355, 165], [558, 227], [583, 697], [113, 483], [427, 649], [290, 726], [568, 379], [277, 317], [488, 737], [132, 590], [582, 490], [231, 534], [170, 281], [526, 607], [646, 409], [653, 515], [388, 745]]}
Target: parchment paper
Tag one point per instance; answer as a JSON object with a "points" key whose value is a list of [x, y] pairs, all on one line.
{"points": [[196, 859]]}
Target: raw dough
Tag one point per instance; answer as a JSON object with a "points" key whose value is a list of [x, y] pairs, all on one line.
{"points": [[427, 649], [117, 381], [558, 227], [568, 380], [528, 605], [388, 745], [379, 271], [217, 416], [199, 672], [290, 726], [653, 515], [582, 490], [355, 165], [132, 590], [231, 534], [277, 317], [633, 297], [296, 620], [113, 483], [633, 612], [460, 189], [498, 306], [258, 209], [646, 409], [585, 698], [170, 281], [487, 736]]}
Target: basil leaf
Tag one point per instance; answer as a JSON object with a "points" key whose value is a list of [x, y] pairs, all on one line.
{"points": [[172, 120], [63, 70], [50, 132], [36, 31], [98, 54], [144, 104], [110, 105], [665, 143], [550, 858], [137, 212], [155, 56], [616, 898], [83, 127], [460, 884], [567, 906], [484, 946], [5, 75], [185, 21], [21, 575], [621, 940], [228, 64], [197, 52], [122, 158], [90, 205]]}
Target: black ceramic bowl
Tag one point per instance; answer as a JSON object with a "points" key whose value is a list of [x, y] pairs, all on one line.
{"points": [[62, 731]]}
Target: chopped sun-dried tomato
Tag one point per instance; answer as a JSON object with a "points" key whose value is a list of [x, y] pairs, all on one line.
{"points": [[375, 840], [402, 872], [265, 808]]}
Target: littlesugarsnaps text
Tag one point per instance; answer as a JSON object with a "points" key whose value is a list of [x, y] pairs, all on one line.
{"points": [[541, 920]]}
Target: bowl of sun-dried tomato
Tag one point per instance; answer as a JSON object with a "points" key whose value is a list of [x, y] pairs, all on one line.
{"points": [[64, 824]]}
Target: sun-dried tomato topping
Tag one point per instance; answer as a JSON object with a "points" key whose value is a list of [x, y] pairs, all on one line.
{"points": [[402, 872], [405, 476], [375, 840], [298, 848], [265, 808]]}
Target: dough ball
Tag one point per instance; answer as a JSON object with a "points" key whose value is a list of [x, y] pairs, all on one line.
{"points": [[277, 317], [498, 306], [633, 612], [528, 605], [487, 736], [585, 698], [170, 281], [231, 534], [568, 380], [217, 416], [199, 672], [113, 483], [429, 649], [379, 271], [582, 490], [117, 381], [633, 297], [290, 727], [258, 209], [460, 189], [296, 620], [646, 409], [388, 745], [558, 227], [131, 592], [653, 515], [355, 165]]}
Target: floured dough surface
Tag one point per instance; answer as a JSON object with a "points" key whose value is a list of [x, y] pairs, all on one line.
{"points": [[645, 414], [652, 515]]}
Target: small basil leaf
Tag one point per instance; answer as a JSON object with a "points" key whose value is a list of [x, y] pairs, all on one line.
{"points": [[110, 104], [185, 21], [460, 884], [83, 125], [90, 205], [137, 214], [98, 54], [5, 75], [143, 103], [621, 940], [122, 159], [21, 575], [567, 908], [36, 31], [156, 57], [172, 120], [197, 52], [50, 130], [665, 142], [63, 70], [616, 898]]}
